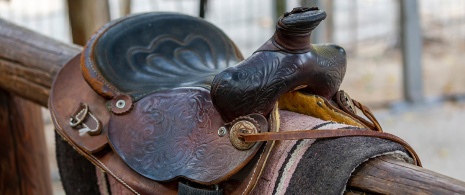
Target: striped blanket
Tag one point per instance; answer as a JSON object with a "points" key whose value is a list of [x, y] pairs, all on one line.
{"points": [[318, 166]]}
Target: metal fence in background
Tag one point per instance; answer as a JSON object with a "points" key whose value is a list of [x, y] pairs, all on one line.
{"points": [[47, 17], [250, 22], [368, 29]]}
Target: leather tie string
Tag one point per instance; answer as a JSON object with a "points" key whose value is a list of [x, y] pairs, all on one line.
{"points": [[327, 133]]}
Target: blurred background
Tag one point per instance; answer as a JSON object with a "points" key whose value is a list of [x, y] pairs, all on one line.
{"points": [[404, 57]]}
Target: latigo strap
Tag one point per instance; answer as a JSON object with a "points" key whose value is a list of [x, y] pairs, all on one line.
{"points": [[327, 133]]}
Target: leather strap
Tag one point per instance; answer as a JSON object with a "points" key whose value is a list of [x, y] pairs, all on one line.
{"points": [[367, 112], [184, 189], [327, 133], [348, 105]]}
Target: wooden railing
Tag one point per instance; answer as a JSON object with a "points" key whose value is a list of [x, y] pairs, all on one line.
{"points": [[29, 63]]}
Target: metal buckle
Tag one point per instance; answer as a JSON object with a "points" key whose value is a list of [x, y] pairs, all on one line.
{"points": [[79, 116]]}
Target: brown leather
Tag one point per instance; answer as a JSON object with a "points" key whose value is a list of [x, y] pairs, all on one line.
{"points": [[328, 133], [96, 150], [317, 106], [174, 133], [294, 28], [367, 112], [349, 106], [133, 118], [68, 92], [87, 122], [248, 177], [284, 63], [157, 78]]}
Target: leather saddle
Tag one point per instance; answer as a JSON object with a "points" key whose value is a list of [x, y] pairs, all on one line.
{"points": [[160, 100]]}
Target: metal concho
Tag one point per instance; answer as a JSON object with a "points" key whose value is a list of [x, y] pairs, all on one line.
{"points": [[347, 101], [245, 127]]}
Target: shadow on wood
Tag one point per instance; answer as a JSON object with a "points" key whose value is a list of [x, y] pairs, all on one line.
{"points": [[24, 167]]}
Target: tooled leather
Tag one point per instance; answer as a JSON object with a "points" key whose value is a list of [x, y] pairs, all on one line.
{"points": [[294, 28], [186, 120], [68, 78], [255, 84], [111, 162]]}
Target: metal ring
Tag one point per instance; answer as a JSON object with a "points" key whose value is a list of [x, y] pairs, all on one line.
{"points": [[120, 104], [245, 127], [74, 120]]}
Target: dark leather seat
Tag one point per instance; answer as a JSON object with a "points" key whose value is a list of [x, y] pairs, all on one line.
{"points": [[146, 53]]}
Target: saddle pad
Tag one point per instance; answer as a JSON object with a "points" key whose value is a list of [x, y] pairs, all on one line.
{"points": [[144, 81]]}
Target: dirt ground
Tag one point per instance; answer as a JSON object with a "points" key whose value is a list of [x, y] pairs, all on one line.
{"points": [[374, 73], [435, 131], [434, 128]]}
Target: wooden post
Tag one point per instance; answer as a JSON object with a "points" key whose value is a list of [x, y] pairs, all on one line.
{"points": [[384, 175], [85, 17], [411, 51], [279, 9], [24, 167], [324, 32], [125, 7], [29, 61], [28, 64], [329, 21]]}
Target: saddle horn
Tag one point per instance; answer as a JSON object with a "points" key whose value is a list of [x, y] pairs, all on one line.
{"points": [[286, 62]]}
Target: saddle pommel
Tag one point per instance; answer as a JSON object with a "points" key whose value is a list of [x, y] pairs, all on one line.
{"points": [[286, 62]]}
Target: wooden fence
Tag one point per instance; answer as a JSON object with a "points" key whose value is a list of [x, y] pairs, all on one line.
{"points": [[28, 64]]}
